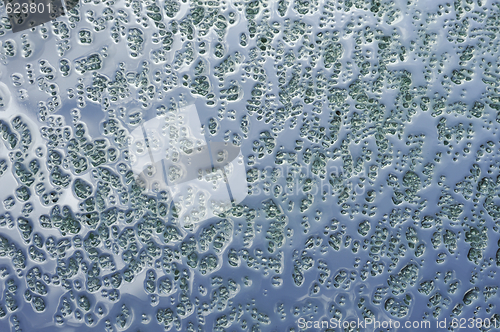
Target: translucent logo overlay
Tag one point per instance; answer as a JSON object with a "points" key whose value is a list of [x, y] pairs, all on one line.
{"points": [[26, 14], [204, 179]]}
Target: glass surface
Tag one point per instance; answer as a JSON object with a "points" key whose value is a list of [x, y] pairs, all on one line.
{"points": [[249, 165]]}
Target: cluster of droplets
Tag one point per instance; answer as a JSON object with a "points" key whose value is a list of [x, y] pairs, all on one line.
{"points": [[333, 107]]}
